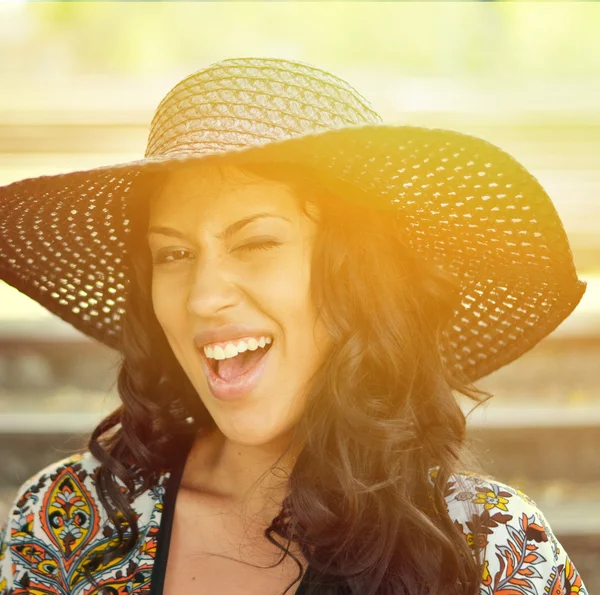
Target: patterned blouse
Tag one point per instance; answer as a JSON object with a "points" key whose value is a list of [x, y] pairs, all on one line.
{"points": [[57, 520]]}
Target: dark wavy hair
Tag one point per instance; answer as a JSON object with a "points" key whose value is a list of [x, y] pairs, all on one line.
{"points": [[363, 505]]}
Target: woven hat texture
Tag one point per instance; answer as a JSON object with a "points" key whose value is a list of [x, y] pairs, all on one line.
{"points": [[465, 203]]}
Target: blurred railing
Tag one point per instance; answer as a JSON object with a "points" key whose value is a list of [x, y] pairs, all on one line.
{"points": [[541, 430]]}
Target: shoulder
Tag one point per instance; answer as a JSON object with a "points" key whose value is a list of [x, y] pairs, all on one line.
{"points": [[71, 483], [472, 496], [71, 479], [73, 475], [57, 518], [80, 466], [521, 553]]}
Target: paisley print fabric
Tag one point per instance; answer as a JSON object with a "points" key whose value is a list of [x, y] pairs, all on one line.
{"points": [[57, 521]]}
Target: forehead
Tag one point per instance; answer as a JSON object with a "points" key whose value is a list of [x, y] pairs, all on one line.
{"points": [[217, 190]]}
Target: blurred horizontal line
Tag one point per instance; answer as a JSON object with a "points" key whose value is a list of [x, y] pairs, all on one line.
{"points": [[570, 519], [48, 423], [493, 418], [502, 417]]}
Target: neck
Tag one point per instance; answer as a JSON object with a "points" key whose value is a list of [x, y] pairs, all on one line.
{"points": [[239, 476]]}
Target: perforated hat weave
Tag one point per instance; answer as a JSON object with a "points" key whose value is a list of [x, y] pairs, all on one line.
{"points": [[468, 206]]}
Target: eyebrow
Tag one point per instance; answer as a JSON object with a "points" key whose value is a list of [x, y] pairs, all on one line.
{"points": [[226, 233]]}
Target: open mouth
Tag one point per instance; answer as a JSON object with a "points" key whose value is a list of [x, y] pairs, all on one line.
{"points": [[233, 368]]}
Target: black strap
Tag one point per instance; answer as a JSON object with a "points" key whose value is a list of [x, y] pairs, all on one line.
{"points": [[159, 570], [302, 587]]}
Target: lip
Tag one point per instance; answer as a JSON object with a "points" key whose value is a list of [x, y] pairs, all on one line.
{"points": [[228, 332], [241, 386]]}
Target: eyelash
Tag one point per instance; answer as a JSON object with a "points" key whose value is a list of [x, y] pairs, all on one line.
{"points": [[250, 247]]}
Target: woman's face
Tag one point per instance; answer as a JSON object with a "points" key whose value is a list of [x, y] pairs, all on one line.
{"points": [[212, 270]]}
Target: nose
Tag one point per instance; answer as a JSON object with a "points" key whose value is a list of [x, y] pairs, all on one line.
{"points": [[211, 290]]}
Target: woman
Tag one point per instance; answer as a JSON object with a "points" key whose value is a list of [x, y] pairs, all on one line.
{"points": [[296, 290]]}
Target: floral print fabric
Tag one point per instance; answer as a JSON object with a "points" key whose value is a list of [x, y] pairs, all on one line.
{"points": [[522, 556], [57, 520]]}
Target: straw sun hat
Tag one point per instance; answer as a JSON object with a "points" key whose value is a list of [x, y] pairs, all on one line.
{"points": [[464, 203]]}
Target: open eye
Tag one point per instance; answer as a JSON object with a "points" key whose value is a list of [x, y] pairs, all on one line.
{"points": [[163, 257]]}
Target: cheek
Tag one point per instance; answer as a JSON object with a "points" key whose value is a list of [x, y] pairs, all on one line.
{"points": [[291, 305], [165, 303], [286, 288]]}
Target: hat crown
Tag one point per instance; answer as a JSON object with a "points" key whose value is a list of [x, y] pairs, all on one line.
{"points": [[241, 102]]}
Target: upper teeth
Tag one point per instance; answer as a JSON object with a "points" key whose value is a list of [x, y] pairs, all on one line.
{"points": [[232, 349]]}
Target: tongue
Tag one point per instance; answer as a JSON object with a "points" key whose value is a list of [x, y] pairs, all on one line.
{"points": [[233, 367]]}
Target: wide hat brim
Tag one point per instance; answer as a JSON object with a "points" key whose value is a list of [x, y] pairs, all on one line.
{"points": [[467, 205]]}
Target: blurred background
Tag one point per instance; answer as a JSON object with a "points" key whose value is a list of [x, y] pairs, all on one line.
{"points": [[79, 85]]}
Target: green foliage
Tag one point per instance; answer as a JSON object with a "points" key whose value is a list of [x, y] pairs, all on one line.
{"points": [[406, 38]]}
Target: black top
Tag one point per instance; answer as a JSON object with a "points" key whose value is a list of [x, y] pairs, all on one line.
{"points": [[159, 569], [157, 582]]}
